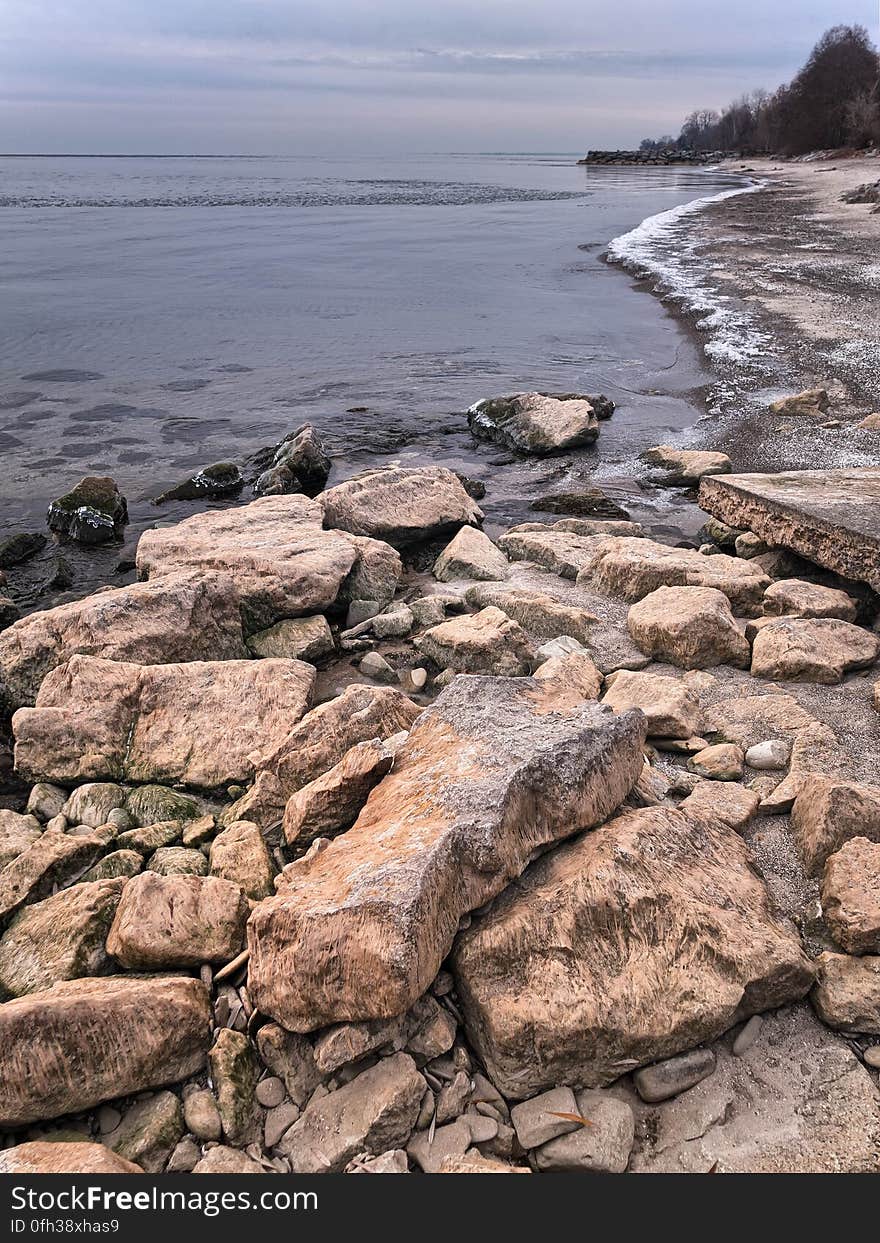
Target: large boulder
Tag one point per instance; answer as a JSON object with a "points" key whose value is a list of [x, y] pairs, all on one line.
{"points": [[319, 741], [70, 1157], [275, 550], [671, 707], [851, 896], [631, 944], [484, 642], [814, 649], [557, 548], [496, 769], [535, 423], [87, 1041], [177, 921], [61, 938], [188, 616], [829, 811], [692, 627], [632, 567], [197, 723], [400, 505]]}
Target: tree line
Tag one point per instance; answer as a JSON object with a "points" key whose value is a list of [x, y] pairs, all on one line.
{"points": [[834, 101]]}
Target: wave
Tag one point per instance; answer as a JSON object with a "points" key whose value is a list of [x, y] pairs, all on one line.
{"points": [[663, 250], [372, 193]]}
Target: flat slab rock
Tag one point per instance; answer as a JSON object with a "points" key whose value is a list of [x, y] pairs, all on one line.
{"points": [[812, 649], [202, 724], [831, 517], [87, 1041], [275, 550], [187, 616], [636, 942], [494, 770], [797, 1101]]}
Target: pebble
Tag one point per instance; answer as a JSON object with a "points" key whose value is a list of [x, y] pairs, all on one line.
{"points": [[184, 1158], [747, 1035], [108, 1119], [418, 677], [278, 1121], [270, 1092], [666, 1079], [537, 1121], [453, 1097], [58, 823], [768, 756], [872, 1056]]}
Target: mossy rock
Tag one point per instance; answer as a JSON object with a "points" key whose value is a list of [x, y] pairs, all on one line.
{"points": [[91, 513], [217, 480], [117, 863], [151, 804]]}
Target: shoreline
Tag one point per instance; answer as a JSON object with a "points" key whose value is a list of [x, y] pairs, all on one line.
{"points": [[791, 268]]}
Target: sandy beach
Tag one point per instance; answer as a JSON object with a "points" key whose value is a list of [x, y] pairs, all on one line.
{"points": [[803, 267]]}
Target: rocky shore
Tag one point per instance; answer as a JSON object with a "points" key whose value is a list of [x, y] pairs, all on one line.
{"points": [[357, 841], [352, 840]]}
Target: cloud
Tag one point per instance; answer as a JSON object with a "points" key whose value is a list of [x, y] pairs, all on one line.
{"points": [[262, 72]]}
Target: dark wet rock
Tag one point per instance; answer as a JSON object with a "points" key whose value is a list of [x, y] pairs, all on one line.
{"points": [[474, 487], [9, 612], [220, 479], [92, 513], [19, 548], [585, 503], [62, 375], [300, 463]]}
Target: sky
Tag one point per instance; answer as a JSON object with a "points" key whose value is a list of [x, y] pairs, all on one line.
{"points": [[386, 76]]}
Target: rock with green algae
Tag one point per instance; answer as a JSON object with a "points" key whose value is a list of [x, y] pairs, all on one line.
{"points": [[93, 512], [60, 938], [118, 863], [217, 480], [234, 1072], [177, 861], [149, 1132], [150, 804]]}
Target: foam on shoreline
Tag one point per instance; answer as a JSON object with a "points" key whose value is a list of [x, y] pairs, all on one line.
{"points": [[661, 249]]}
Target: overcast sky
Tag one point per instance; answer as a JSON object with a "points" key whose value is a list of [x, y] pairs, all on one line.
{"points": [[377, 76]]}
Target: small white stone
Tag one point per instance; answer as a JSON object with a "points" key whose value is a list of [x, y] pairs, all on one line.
{"points": [[747, 1035], [768, 756]]}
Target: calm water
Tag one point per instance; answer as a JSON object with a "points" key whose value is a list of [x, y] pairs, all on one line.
{"points": [[161, 314]]}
